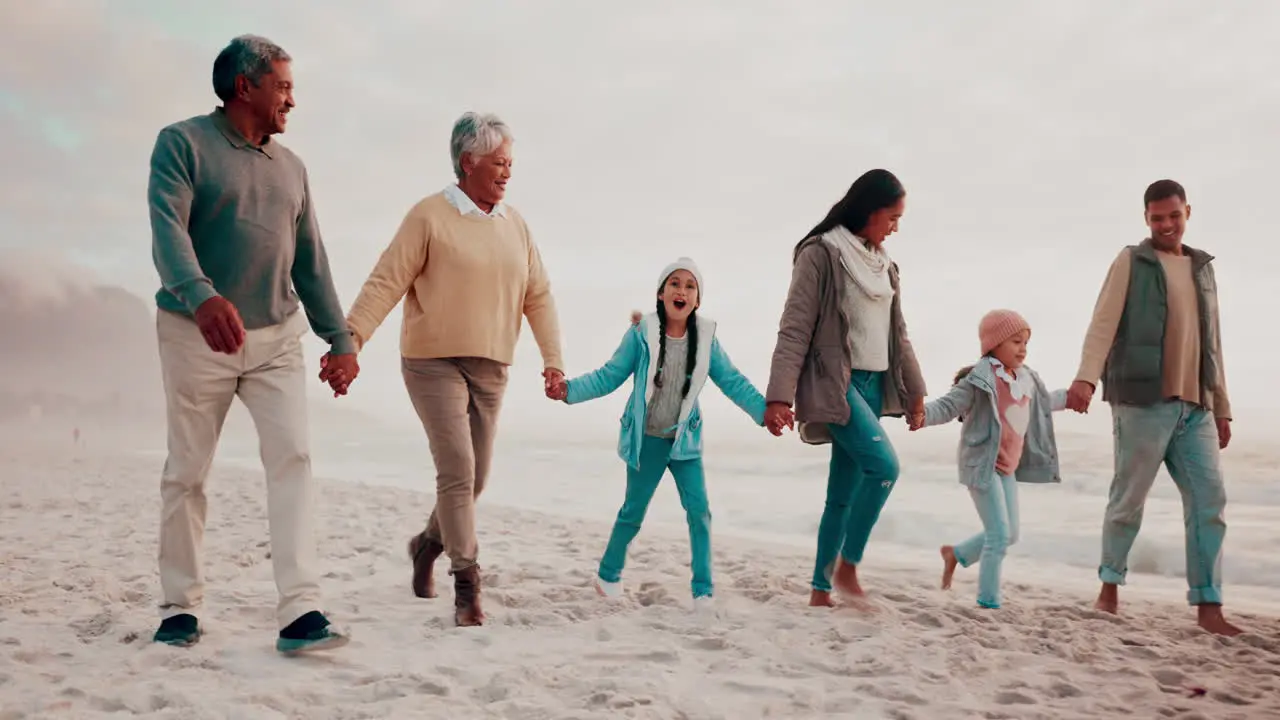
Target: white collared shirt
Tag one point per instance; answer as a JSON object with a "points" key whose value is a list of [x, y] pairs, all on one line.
{"points": [[465, 205]]}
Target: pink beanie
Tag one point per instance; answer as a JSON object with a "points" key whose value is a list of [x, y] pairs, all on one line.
{"points": [[998, 326]]}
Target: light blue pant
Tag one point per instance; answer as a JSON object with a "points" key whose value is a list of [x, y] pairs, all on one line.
{"points": [[863, 471], [997, 503], [655, 459], [1185, 438]]}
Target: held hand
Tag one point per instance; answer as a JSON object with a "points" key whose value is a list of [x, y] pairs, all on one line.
{"points": [[1224, 433], [778, 416], [339, 371], [220, 323], [915, 414], [554, 384], [1079, 395]]}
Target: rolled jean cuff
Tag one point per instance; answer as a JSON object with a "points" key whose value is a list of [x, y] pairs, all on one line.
{"points": [[821, 582], [1109, 576], [1205, 596]]}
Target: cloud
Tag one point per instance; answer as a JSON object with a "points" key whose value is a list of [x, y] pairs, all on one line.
{"points": [[1025, 133]]}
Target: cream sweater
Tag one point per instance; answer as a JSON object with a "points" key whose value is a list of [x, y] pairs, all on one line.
{"points": [[467, 282]]}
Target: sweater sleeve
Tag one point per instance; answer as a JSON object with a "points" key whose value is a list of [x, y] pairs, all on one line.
{"points": [[313, 280], [400, 264], [170, 192], [540, 308], [1106, 319]]}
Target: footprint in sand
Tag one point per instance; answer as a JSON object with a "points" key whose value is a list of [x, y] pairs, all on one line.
{"points": [[710, 643], [1014, 697], [652, 593], [654, 656], [93, 627], [1064, 690]]}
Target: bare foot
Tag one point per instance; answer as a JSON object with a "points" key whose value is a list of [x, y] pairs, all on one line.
{"points": [[821, 598], [1212, 621], [845, 580], [949, 563], [1108, 599]]}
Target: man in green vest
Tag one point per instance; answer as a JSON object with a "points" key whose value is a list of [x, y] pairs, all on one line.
{"points": [[1154, 342]]}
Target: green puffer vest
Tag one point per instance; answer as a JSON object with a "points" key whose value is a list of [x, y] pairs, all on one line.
{"points": [[1134, 373]]}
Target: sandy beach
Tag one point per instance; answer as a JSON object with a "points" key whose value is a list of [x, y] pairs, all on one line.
{"points": [[77, 608]]}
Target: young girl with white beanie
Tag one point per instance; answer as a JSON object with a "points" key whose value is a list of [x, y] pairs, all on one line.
{"points": [[670, 353]]}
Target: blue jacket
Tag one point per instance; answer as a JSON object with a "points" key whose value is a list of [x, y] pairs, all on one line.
{"points": [[974, 400], [632, 358]]}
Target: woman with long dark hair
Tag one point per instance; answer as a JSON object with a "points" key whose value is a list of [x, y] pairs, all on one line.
{"points": [[842, 361]]}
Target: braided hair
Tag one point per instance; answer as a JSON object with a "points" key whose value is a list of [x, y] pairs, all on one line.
{"points": [[961, 374], [662, 347]]}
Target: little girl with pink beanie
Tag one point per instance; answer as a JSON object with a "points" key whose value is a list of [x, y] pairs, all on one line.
{"points": [[1007, 438]]}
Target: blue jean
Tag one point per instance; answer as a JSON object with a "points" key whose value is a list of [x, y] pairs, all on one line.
{"points": [[862, 473], [1185, 438], [997, 503], [655, 459]]}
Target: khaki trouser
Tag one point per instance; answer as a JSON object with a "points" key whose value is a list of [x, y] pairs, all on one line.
{"points": [[269, 375], [458, 401]]}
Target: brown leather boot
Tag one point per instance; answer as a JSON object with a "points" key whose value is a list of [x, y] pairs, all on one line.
{"points": [[466, 597], [424, 552]]}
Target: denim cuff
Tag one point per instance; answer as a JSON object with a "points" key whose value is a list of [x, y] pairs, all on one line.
{"points": [[1205, 596], [966, 562], [1109, 576]]}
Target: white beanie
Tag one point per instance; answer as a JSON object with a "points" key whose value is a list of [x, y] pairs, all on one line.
{"points": [[683, 263]]}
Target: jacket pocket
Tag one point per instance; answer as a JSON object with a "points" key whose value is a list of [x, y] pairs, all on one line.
{"points": [[819, 365], [689, 438], [626, 439], [975, 434]]}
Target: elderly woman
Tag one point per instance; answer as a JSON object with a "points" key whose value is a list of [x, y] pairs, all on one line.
{"points": [[844, 360], [469, 270]]}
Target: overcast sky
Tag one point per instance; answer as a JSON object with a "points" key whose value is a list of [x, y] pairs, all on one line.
{"points": [[1025, 134]]}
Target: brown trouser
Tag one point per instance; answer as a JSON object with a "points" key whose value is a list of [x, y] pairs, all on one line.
{"points": [[458, 400]]}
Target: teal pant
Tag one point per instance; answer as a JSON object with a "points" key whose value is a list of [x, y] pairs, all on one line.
{"points": [[997, 503], [1184, 438], [655, 459], [863, 471]]}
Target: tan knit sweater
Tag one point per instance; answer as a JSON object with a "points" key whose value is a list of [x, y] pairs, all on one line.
{"points": [[467, 282]]}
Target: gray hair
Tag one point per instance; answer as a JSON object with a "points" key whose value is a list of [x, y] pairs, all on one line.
{"points": [[477, 135], [247, 55]]}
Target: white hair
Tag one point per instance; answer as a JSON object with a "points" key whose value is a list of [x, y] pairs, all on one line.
{"points": [[477, 135], [247, 55]]}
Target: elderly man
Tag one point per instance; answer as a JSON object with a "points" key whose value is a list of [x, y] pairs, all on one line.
{"points": [[468, 269], [1155, 343], [236, 244]]}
